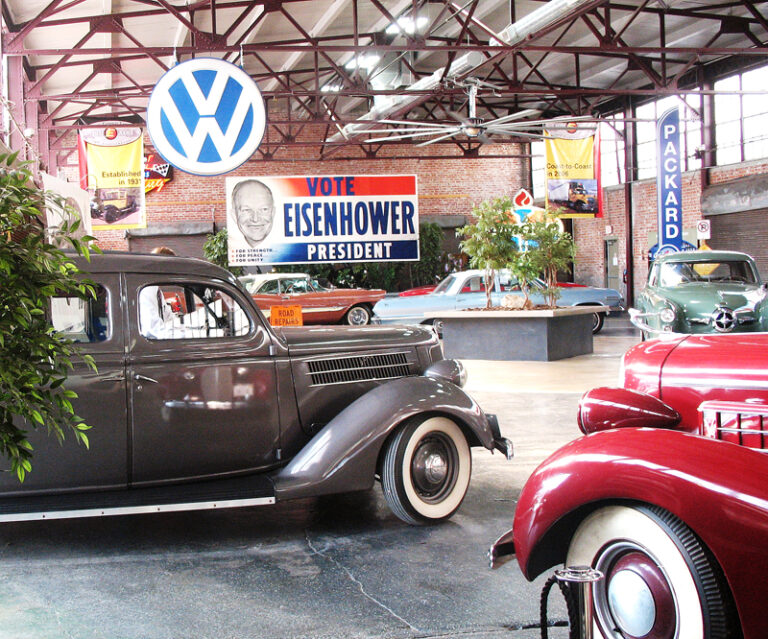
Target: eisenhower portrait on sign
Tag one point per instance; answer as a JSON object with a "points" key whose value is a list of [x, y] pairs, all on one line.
{"points": [[252, 212]]}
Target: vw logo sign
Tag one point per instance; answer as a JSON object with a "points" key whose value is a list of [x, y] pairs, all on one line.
{"points": [[206, 116]]}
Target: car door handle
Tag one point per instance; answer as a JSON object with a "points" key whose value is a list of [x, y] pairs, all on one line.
{"points": [[112, 377], [144, 378]]}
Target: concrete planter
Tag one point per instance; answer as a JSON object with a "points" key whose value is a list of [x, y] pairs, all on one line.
{"points": [[540, 335]]}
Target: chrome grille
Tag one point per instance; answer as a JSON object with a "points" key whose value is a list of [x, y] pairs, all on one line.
{"points": [[736, 422], [358, 368]]}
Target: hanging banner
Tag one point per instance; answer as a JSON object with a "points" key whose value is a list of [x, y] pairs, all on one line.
{"points": [[322, 219], [76, 203], [573, 168], [669, 189], [111, 169]]}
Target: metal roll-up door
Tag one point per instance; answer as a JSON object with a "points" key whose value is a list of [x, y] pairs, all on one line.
{"points": [[746, 231]]}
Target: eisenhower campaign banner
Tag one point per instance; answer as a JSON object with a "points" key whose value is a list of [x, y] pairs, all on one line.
{"points": [[322, 219]]}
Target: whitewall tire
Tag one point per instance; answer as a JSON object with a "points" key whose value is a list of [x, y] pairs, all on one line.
{"points": [[660, 581], [426, 469]]}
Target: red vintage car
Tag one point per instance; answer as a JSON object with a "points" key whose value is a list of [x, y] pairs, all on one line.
{"points": [[666, 495], [319, 304]]}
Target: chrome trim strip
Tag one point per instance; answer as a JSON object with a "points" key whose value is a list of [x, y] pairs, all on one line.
{"points": [[135, 510], [724, 383]]}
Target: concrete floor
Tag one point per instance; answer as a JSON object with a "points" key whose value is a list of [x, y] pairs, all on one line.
{"points": [[338, 567]]}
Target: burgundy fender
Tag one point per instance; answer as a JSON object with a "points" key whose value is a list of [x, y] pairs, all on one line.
{"points": [[604, 408], [720, 490], [342, 457]]}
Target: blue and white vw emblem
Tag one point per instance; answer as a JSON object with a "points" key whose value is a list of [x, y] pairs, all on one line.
{"points": [[206, 116]]}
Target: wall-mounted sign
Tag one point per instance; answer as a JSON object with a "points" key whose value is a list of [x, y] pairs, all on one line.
{"points": [[669, 189], [110, 161], [322, 219], [156, 174], [573, 168], [206, 116]]}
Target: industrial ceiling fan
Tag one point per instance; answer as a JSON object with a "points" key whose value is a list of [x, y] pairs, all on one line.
{"points": [[471, 126]]}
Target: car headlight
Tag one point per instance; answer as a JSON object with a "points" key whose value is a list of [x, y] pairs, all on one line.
{"points": [[448, 370], [667, 315]]}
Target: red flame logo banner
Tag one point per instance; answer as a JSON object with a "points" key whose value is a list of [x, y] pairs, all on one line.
{"points": [[523, 199]]}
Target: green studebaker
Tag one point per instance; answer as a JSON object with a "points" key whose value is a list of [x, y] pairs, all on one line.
{"points": [[702, 292]]}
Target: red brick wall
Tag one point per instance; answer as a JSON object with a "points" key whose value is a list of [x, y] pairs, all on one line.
{"points": [[446, 187]]}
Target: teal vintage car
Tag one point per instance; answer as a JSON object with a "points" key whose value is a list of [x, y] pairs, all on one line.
{"points": [[702, 292]]}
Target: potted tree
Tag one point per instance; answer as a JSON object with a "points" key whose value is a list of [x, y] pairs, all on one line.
{"points": [[529, 249]]}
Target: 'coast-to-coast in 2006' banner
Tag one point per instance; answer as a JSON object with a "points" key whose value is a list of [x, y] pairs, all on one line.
{"points": [[317, 219]]}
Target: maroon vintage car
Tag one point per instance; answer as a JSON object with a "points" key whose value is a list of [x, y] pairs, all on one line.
{"points": [[666, 495], [319, 304]]}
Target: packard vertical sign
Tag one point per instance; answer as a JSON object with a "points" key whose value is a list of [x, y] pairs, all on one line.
{"points": [[669, 185]]}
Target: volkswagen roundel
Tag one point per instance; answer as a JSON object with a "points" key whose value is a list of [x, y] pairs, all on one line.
{"points": [[206, 116]]}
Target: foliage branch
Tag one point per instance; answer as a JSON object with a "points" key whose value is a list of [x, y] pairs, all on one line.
{"points": [[34, 359]]}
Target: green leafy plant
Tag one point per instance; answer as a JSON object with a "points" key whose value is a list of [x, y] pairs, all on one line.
{"points": [[34, 358], [548, 250], [215, 250], [490, 240]]}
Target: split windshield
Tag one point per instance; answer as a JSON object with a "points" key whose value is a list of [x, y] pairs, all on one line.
{"points": [[675, 273]]}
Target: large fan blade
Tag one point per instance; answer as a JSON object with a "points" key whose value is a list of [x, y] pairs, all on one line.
{"points": [[437, 128], [412, 123], [516, 133], [442, 137], [404, 136], [525, 113], [485, 139]]}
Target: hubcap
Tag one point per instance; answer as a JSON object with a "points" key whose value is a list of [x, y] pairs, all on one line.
{"points": [[631, 603], [358, 316], [434, 467], [723, 319], [635, 599]]}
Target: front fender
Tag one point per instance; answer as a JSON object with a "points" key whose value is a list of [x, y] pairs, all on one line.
{"points": [[342, 457], [720, 490]]}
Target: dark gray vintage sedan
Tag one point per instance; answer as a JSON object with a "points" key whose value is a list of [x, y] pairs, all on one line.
{"points": [[199, 403]]}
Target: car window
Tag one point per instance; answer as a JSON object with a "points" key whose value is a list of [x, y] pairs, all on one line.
{"points": [[82, 320], [677, 273], [299, 285], [190, 311], [270, 287], [733, 271], [445, 284]]}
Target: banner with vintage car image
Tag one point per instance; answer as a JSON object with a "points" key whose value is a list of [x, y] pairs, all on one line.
{"points": [[112, 170], [573, 168], [322, 219], [76, 206]]}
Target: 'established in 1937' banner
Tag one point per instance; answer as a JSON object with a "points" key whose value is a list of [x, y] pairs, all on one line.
{"points": [[111, 169], [322, 219], [573, 168]]}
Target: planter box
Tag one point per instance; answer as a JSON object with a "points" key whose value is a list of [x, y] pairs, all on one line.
{"points": [[541, 335]]}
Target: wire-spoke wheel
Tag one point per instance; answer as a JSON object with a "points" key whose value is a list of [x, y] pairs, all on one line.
{"points": [[660, 581], [426, 469]]}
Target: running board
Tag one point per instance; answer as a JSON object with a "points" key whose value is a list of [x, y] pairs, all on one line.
{"points": [[252, 490]]}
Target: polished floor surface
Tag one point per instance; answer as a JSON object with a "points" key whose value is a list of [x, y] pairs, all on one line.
{"points": [[338, 567]]}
